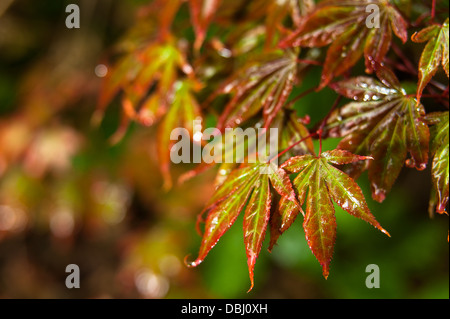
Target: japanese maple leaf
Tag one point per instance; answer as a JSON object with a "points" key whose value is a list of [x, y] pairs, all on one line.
{"points": [[202, 12], [151, 91], [134, 75], [434, 53], [440, 168], [277, 12], [383, 122], [319, 183], [289, 129], [263, 85], [353, 28], [183, 111], [250, 184]]}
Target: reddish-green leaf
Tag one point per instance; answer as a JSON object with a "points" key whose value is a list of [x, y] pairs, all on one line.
{"points": [[263, 85], [434, 53], [320, 183], [353, 29], [244, 183], [256, 218], [288, 210], [383, 123], [221, 217], [147, 79], [440, 166], [320, 221], [152, 69]]}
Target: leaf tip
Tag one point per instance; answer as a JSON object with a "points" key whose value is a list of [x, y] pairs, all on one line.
{"points": [[191, 264], [384, 231], [325, 271], [97, 118], [251, 286]]}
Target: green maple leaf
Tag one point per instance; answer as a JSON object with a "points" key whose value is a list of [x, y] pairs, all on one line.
{"points": [[250, 184], [440, 168], [434, 53], [383, 122], [343, 26], [318, 184]]}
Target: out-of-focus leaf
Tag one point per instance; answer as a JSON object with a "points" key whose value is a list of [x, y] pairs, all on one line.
{"points": [[277, 11], [182, 113], [162, 12], [152, 69], [148, 80], [440, 168], [384, 123], [434, 53], [202, 12], [230, 198], [263, 85], [353, 30], [319, 183]]}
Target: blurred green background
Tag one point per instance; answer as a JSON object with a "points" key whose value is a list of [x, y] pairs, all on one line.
{"points": [[68, 196]]}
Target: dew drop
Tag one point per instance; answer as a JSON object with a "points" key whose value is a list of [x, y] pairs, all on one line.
{"points": [[378, 194], [422, 166], [226, 53], [101, 70]]}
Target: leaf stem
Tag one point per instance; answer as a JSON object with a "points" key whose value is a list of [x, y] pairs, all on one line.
{"points": [[433, 10], [434, 96], [318, 132], [289, 104], [293, 145], [298, 97], [312, 62], [324, 121]]}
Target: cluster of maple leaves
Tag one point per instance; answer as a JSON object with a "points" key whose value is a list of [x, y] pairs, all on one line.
{"points": [[161, 75]]}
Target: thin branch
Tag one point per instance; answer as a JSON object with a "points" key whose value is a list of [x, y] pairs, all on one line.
{"points": [[293, 145], [406, 62], [324, 121], [298, 97]]}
